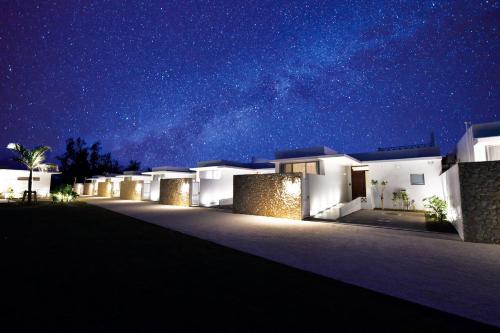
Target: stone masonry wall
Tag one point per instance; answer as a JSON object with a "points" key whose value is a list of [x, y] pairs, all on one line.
{"points": [[104, 189], [480, 197], [277, 195], [175, 191], [131, 189], [88, 189]]}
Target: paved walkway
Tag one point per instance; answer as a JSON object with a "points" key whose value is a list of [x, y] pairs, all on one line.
{"points": [[393, 219], [426, 268]]}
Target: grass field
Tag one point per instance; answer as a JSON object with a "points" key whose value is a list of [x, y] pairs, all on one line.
{"points": [[80, 267]]}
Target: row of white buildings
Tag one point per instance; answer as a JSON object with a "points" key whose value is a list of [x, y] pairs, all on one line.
{"points": [[329, 181]]}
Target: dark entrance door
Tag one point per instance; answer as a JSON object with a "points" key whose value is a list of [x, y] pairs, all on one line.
{"points": [[358, 184]]}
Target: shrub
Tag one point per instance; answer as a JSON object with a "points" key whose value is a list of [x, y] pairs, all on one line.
{"points": [[401, 200], [64, 194], [436, 208]]}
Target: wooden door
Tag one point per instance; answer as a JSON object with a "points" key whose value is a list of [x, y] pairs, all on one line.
{"points": [[358, 182]]}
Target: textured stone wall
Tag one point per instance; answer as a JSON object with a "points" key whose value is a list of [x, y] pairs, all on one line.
{"points": [[104, 189], [480, 196], [131, 189], [88, 189], [175, 191], [278, 195]]}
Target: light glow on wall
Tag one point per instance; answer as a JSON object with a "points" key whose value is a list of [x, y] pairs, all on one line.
{"points": [[292, 187], [185, 188]]}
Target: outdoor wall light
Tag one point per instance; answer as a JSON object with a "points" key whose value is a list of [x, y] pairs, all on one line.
{"points": [[292, 187], [138, 188]]}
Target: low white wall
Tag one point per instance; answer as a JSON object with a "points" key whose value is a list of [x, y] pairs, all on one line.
{"points": [[329, 189], [451, 194], [78, 188], [397, 173], [350, 207], [220, 191], [9, 179]]}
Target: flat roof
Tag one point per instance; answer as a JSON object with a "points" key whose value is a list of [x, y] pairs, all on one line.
{"points": [[304, 152], [485, 130], [169, 168], [398, 154], [227, 163], [341, 157]]}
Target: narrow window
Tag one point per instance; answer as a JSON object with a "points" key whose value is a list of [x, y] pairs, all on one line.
{"points": [[417, 179], [299, 167], [312, 168]]}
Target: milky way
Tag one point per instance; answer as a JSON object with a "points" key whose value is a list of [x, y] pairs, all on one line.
{"points": [[172, 83]]}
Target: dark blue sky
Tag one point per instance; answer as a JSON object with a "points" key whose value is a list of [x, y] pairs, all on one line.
{"points": [[175, 82]]}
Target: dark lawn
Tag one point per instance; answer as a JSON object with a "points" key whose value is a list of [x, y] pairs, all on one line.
{"points": [[82, 267]]}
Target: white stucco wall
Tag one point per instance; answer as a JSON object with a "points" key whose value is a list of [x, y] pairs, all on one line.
{"points": [[220, 191], [9, 178], [328, 188], [451, 194], [464, 148], [397, 173], [478, 147]]}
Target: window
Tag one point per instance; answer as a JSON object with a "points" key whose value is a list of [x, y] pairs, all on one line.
{"points": [[35, 179], [305, 167], [417, 179]]}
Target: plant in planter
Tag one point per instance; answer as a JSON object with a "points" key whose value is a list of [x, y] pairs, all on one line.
{"points": [[402, 201], [64, 194], [379, 189], [10, 194], [436, 208]]}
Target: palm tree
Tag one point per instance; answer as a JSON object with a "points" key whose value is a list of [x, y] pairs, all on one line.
{"points": [[32, 159]]}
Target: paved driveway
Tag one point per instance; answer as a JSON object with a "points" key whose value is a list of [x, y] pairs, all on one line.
{"points": [[426, 268]]}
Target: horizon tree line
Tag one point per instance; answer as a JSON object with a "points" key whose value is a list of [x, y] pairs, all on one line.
{"points": [[81, 161]]}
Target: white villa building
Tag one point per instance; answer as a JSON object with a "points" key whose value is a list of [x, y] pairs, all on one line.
{"points": [[481, 142], [165, 172], [14, 182], [135, 186], [338, 184], [215, 179]]}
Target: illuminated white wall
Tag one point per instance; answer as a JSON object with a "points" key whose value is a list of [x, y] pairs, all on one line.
{"points": [[9, 179], [397, 173], [329, 188], [220, 191], [464, 149], [451, 194], [475, 150]]}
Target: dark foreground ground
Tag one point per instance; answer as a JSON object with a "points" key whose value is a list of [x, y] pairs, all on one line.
{"points": [[80, 267]]}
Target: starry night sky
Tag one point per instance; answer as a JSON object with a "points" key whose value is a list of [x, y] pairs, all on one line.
{"points": [[176, 82]]}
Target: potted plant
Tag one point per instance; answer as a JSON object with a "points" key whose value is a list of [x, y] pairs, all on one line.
{"points": [[436, 208]]}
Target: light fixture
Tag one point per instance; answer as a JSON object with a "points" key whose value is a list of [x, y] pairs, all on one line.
{"points": [[292, 187]]}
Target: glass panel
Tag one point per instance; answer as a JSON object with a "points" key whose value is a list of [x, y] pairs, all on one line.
{"points": [[417, 179], [299, 167], [312, 168]]}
